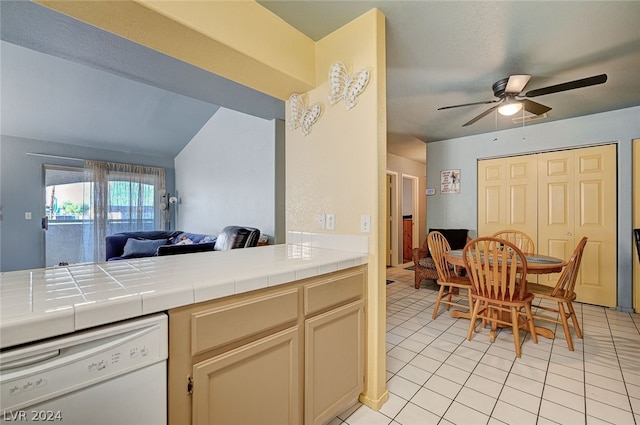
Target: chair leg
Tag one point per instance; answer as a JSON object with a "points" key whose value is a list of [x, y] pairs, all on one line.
{"points": [[515, 326], [416, 281], [437, 306], [574, 319], [565, 325], [532, 325], [449, 296], [494, 313], [472, 322]]}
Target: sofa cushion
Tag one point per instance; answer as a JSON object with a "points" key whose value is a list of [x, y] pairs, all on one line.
{"points": [[193, 237], [427, 263], [142, 247]]}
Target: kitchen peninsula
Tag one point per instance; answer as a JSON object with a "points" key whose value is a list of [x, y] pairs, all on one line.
{"points": [[292, 308]]}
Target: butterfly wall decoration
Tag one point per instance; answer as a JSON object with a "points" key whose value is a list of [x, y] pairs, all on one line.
{"points": [[300, 115], [342, 86]]}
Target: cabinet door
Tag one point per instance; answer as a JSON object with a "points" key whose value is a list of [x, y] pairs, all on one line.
{"points": [[407, 239], [258, 383], [334, 362]]}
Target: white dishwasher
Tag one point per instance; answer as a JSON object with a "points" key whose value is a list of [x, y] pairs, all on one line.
{"points": [[114, 374]]}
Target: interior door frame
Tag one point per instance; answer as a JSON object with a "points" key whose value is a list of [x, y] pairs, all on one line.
{"points": [[394, 223], [45, 168], [415, 207]]}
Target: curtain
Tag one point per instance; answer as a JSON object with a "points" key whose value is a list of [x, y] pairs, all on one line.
{"points": [[121, 198]]}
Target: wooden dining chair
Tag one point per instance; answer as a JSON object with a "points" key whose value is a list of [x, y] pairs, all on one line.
{"points": [[519, 238], [562, 294], [499, 285], [449, 278]]}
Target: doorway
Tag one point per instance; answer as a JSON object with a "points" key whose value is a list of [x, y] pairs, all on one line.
{"points": [[402, 213], [62, 222], [410, 216], [391, 227]]}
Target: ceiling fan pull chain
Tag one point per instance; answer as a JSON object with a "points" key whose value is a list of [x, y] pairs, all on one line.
{"points": [[523, 135]]}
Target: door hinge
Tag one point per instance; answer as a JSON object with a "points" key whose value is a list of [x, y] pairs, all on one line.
{"points": [[189, 385]]}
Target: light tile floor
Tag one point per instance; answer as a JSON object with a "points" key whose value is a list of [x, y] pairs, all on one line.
{"points": [[436, 376]]}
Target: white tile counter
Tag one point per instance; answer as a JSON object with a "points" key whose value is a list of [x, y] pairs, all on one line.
{"points": [[41, 303]]}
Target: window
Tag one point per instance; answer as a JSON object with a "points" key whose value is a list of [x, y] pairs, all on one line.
{"points": [[85, 205]]}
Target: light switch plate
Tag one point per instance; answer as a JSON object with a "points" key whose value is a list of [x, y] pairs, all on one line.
{"points": [[331, 221], [320, 220], [365, 223]]}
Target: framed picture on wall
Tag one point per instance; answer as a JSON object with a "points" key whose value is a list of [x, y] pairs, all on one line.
{"points": [[450, 181]]}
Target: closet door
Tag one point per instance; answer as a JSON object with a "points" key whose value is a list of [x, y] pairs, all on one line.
{"points": [[577, 196], [556, 206], [507, 195], [491, 195], [522, 194]]}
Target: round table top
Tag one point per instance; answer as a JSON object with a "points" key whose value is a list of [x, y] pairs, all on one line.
{"points": [[536, 263]]}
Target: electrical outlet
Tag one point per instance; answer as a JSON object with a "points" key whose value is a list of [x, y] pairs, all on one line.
{"points": [[365, 223], [331, 221], [320, 220], [27, 215]]}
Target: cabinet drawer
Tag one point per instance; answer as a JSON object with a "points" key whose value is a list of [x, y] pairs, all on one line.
{"points": [[327, 293], [222, 325]]}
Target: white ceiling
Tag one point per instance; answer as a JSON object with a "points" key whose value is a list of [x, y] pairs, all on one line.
{"points": [[442, 53], [439, 53]]}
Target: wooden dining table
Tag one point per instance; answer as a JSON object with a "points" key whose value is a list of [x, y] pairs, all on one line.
{"points": [[536, 264]]}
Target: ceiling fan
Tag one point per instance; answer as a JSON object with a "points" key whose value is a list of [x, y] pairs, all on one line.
{"points": [[510, 101]]}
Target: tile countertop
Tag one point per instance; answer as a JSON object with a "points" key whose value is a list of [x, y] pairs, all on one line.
{"points": [[41, 303]]}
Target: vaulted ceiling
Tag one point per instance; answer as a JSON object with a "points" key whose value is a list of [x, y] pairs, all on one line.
{"points": [[66, 81]]}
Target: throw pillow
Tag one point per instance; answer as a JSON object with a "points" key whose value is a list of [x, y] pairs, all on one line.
{"points": [[142, 247]]}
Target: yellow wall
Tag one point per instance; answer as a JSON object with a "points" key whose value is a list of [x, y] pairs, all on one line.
{"points": [[340, 167], [271, 57]]}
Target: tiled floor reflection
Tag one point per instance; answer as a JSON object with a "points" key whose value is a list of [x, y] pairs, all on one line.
{"points": [[436, 376]]}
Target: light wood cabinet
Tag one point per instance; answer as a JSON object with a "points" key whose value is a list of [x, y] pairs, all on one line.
{"points": [[407, 239], [290, 354]]}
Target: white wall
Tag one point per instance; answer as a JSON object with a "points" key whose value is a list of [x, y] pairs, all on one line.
{"points": [[226, 175], [403, 167], [460, 210], [407, 197]]}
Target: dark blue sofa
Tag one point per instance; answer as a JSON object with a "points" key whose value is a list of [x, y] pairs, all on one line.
{"points": [[158, 243]]}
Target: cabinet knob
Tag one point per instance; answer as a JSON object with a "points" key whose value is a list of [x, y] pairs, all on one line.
{"points": [[569, 234]]}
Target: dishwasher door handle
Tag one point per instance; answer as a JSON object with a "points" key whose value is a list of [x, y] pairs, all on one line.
{"points": [[28, 361]]}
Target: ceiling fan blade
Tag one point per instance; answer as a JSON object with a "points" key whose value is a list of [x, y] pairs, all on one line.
{"points": [[485, 113], [534, 107], [576, 84], [516, 83], [469, 104]]}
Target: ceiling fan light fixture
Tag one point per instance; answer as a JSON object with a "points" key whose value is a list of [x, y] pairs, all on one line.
{"points": [[510, 108]]}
